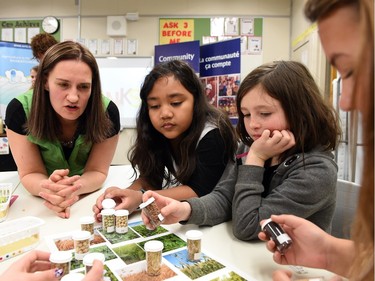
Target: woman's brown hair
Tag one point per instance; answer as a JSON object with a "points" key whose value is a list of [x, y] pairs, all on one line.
{"points": [[43, 122]]}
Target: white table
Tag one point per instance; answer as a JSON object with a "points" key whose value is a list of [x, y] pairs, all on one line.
{"points": [[249, 257]]}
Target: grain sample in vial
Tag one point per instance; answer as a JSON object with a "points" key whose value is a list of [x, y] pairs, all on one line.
{"points": [[152, 212], [153, 257], [194, 244]]}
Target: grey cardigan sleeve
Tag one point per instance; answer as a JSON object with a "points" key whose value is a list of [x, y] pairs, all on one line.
{"points": [[215, 207], [307, 188]]}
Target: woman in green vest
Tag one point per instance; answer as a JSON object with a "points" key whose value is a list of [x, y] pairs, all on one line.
{"points": [[63, 133]]}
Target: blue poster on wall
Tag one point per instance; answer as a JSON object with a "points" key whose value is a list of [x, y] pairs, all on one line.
{"points": [[185, 51], [221, 57], [220, 70], [16, 60]]}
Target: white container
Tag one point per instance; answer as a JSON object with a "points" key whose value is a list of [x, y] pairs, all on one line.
{"points": [[152, 212], [108, 220], [153, 257], [87, 224], [5, 196], [194, 244], [108, 203], [81, 244], [88, 260], [60, 260], [74, 276], [18, 236], [121, 221]]}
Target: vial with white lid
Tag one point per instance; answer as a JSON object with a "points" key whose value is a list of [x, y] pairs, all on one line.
{"points": [[87, 224], [108, 203], [277, 234], [88, 260], [81, 244], [194, 242], [121, 221], [60, 261], [152, 212], [153, 257], [108, 220], [74, 276]]}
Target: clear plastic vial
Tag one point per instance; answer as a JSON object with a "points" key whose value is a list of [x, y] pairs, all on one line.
{"points": [[88, 260], [194, 244], [153, 257], [152, 212], [87, 224], [277, 234], [121, 221], [60, 261], [108, 220], [81, 244]]}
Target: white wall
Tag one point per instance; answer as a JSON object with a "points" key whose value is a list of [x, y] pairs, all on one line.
{"points": [[87, 19]]}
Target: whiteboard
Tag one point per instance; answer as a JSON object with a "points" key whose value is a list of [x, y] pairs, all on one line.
{"points": [[121, 80]]}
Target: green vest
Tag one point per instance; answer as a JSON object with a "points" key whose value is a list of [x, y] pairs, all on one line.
{"points": [[52, 152]]}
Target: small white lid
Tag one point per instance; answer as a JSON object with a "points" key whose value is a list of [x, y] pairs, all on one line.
{"points": [[81, 235], [60, 257], [121, 213], [89, 258], [267, 221], [87, 220], [107, 212], [73, 276], [148, 202], [154, 246], [108, 203], [194, 234]]}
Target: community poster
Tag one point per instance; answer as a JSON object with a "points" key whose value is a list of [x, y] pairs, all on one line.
{"points": [[220, 68], [185, 51]]}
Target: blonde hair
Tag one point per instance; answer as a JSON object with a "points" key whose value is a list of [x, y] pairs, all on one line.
{"points": [[362, 234], [363, 227]]}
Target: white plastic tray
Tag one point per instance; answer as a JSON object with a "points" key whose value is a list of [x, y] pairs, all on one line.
{"points": [[18, 236]]}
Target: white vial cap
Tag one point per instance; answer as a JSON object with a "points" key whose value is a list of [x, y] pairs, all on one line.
{"points": [[74, 276], [121, 213], [60, 257], [108, 203], [154, 246], [194, 234], [267, 221], [81, 235], [148, 202], [87, 220], [107, 212], [89, 258]]}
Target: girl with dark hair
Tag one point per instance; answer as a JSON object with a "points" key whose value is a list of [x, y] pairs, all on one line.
{"points": [[285, 163], [182, 141]]}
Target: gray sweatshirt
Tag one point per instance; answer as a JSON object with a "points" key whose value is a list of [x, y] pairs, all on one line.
{"points": [[303, 185]]}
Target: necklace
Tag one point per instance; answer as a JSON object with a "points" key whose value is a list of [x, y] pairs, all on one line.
{"points": [[67, 143], [70, 143]]}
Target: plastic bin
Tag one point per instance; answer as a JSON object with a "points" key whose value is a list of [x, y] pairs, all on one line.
{"points": [[18, 236]]}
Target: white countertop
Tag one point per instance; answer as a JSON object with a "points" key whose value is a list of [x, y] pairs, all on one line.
{"points": [[249, 257]]}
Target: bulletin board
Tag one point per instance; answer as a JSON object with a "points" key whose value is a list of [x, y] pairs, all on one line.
{"points": [[121, 81], [209, 30], [22, 31]]}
